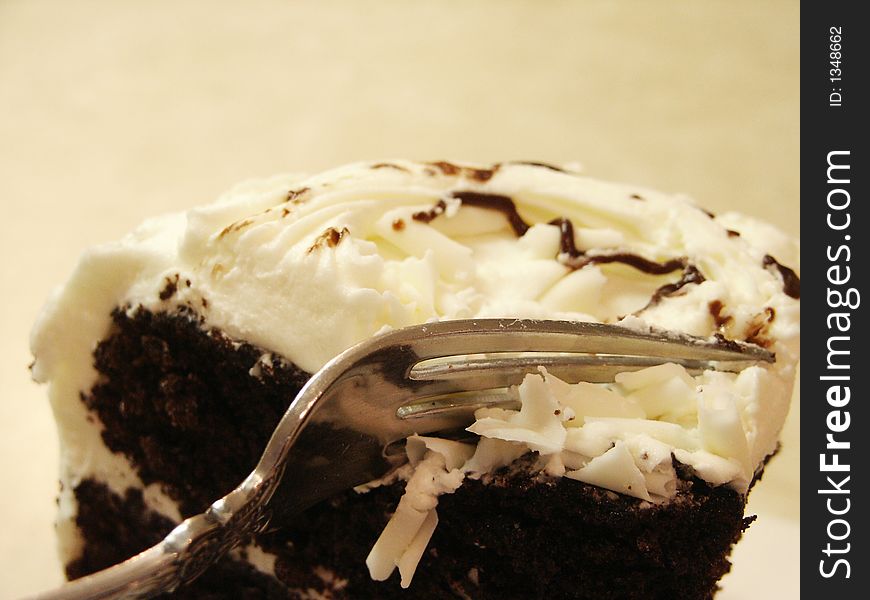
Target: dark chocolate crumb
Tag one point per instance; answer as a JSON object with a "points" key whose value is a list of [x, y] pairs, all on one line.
{"points": [[758, 330], [332, 237], [398, 225], [296, 195], [732, 233], [715, 307], [726, 343], [237, 226], [427, 216], [170, 288], [637, 197], [293, 198]]}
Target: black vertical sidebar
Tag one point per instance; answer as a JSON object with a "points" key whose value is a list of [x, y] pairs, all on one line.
{"points": [[835, 420]]}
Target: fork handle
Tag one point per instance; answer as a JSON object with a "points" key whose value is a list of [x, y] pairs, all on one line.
{"points": [[147, 574], [182, 556]]}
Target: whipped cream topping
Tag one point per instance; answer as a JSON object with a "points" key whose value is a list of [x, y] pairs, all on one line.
{"points": [[304, 267], [283, 261]]}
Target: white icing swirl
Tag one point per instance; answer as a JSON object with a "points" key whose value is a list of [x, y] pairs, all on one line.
{"points": [[254, 256]]}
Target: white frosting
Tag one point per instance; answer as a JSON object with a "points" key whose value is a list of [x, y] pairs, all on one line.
{"points": [[250, 256], [434, 468], [612, 436], [304, 267]]}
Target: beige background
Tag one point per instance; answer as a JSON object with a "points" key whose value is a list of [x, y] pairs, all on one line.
{"points": [[113, 111]]}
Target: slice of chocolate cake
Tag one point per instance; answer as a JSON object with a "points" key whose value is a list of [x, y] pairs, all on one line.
{"points": [[172, 354]]}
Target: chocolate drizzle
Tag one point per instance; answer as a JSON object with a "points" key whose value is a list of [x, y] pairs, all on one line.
{"points": [[645, 265], [384, 165], [569, 255], [496, 202], [567, 246], [533, 163], [575, 258], [791, 283], [691, 274]]}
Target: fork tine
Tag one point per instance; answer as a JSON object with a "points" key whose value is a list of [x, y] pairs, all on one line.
{"points": [[459, 374], [453, 411], [481, 336]]}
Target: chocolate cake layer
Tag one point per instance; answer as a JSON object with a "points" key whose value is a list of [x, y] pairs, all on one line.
{"points": [[182, 405], [495, 540], [192, 411], [524, 536]]}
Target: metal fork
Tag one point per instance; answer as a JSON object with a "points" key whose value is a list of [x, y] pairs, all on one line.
{"points": [[341, 429]]}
